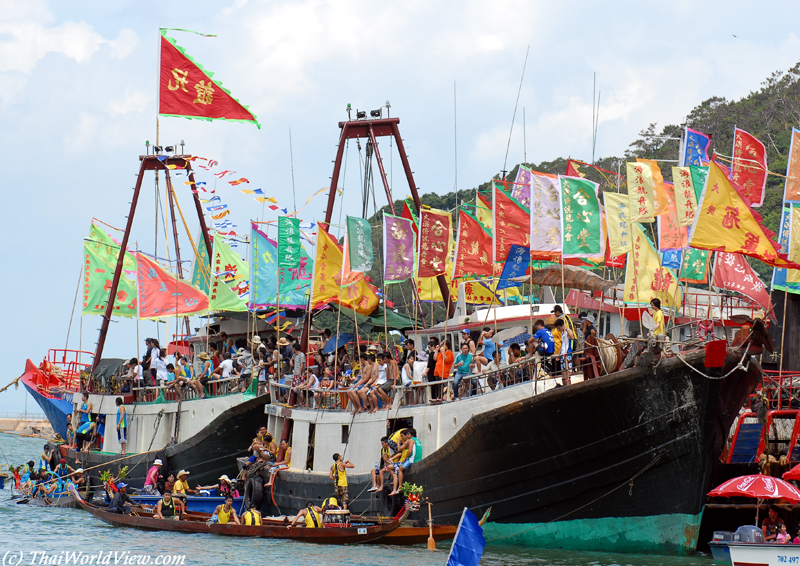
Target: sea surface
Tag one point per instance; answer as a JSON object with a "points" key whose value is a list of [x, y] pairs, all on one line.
{"points": [[36, 535]]}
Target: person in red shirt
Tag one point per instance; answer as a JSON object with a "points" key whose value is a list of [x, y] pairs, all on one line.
{"points": [[772, 524], [444, 362]]}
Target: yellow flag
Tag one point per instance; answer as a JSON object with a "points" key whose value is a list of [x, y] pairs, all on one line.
{"points": [[645, 279], [476, 293], [685, 200], [484, 213], [618, 223], [659, 197], [640, 192], [359, 297], [724, 222]]}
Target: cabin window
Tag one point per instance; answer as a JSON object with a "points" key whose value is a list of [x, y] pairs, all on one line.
{"points": [[345, 434]]}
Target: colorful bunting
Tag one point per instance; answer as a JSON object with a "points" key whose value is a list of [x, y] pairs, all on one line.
{"points": [[186, 90], [749, 168], [581, 223], [221, 215], [162, 294], [238, 181]]}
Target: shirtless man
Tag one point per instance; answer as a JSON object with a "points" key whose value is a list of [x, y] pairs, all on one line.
{"points": [[369, 386], [353, 393], [382, 384]]}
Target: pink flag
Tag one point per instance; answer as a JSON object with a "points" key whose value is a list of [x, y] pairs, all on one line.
{"points": [[162, 294], [732, 272]]}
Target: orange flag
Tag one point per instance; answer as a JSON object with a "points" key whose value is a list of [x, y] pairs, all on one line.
{"points": [[659, 197], [360, 297], [725, 223]]}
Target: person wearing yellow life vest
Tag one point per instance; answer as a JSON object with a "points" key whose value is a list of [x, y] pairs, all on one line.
{"points": [[311, 514], [226, 513], [252, 517], [339, 476]]}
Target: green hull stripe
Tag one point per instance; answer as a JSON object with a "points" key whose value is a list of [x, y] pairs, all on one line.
{"points": [[656, 534]]}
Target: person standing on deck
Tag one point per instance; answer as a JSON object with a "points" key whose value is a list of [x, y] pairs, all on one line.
{"points": [[658, 316], [151, 479], [147, 361], [339, 476], [122, 425], [444, 362]]}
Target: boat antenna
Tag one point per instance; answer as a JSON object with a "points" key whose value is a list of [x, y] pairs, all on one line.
{"points": [[508, 145], [595, 113], [455, 139], [291, 161]]}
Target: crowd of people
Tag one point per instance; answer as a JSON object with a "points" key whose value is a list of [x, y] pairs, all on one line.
{"points": [[44, 480]]}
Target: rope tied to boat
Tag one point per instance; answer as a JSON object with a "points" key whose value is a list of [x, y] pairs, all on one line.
{"points": [[737, 367]]}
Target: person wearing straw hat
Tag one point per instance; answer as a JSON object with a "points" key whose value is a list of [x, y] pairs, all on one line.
{"points": [[205, 372], [181, 488]]}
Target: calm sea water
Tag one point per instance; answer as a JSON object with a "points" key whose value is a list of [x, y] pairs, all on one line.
{"points": [[62, 533]]}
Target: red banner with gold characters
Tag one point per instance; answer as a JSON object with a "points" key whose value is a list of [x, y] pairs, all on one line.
{"points": [[186, 90], [434, 243], [511, 221], [473, 247], [749, 169], [732, 272]]}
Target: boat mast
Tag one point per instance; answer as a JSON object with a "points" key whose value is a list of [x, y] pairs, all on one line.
{"points": [[148, 163]]}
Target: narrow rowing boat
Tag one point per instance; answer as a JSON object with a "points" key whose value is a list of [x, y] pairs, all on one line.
{"points": [[355, 533]]}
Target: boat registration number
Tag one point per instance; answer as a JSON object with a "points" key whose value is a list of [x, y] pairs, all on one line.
{"points": [[362, 531], [789, 559]]}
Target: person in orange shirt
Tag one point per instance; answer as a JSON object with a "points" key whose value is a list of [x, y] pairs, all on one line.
{"points": [[444, 362]]}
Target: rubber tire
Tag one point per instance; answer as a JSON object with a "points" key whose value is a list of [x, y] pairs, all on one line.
{"points": [[254, 492], [389, 506]]}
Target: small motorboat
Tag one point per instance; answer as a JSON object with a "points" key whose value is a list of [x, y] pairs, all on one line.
{"points": [[763, 553], [340, 532]]}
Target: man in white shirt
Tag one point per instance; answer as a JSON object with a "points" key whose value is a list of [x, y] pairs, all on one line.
{"points": [[226, 369], [382, 385], [495, 381]]}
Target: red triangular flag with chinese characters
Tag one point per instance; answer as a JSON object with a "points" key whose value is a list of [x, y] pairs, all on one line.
{"points": [[186, 90], [473, 248], [162, 294], [732, 272]]}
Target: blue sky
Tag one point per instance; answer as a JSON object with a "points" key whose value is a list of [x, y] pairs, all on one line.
{"points": [[78, 101]]}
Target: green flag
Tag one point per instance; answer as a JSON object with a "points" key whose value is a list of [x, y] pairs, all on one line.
{"points": [[289, 242], [694, 268], [110, 251], [98, 273], [699, 175], [582, 226], [230, 279], [359, 239], [201, 263]]}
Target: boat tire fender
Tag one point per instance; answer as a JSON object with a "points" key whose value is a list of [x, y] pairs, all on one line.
{"points": [[254, 492]]}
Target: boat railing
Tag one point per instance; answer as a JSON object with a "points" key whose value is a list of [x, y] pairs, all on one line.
{"points": [[152, 394], [66, 365], [541, 372], [782, 389]]}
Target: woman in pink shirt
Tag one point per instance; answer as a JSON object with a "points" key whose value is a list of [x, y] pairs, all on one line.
{"points": [[151, 480]]}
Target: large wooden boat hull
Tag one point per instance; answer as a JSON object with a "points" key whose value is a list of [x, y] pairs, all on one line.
{"points": [[617, 463], [355, 534]]}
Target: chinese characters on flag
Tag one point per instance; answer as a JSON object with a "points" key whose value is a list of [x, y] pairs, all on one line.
{"points": [[749, 169], [398, 248], [659, 198], [645, 278], [472, 248], [685, 199], [582, 223], [434, 243], [732, 272], [545, 194], [511, 223], [162, 294], [619, 225], [640, 192], [671, 235], [188, 91]]}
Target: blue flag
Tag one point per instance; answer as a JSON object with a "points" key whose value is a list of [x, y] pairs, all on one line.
{"points": [[469, 543], [519, 257], [695, 148], [672, 259]]}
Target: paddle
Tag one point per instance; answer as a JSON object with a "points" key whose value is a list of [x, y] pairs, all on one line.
{"points": [[431, 542]]}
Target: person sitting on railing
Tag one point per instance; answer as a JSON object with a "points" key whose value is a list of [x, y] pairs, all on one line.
{"points": [[384, 464], [243, 362], [371, 368], [382, 386], [486, 348], [462, 365], [226, 368], [410, 453], [305, 388], [204, 375], [543, 340]]}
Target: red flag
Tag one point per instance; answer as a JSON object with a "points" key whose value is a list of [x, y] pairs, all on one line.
{"points": [[573, 170], [434, 243], [511, 223], [409, 214], [162, 294], [614, 260], [472, 250], [186, 90], [749, 168], [732, 272]]}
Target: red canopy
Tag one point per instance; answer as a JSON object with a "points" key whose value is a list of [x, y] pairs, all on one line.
{"points": [[757, 486], [793, 474]]}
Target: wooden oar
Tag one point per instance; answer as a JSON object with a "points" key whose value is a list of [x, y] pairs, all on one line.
{"points": [[431, 541]]}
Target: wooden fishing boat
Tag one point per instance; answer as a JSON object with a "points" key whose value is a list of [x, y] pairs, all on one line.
{"points": [[354, 533], [407, 535]]}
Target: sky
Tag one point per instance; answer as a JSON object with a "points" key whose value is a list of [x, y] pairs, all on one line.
{"points": [[78, 102]]}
